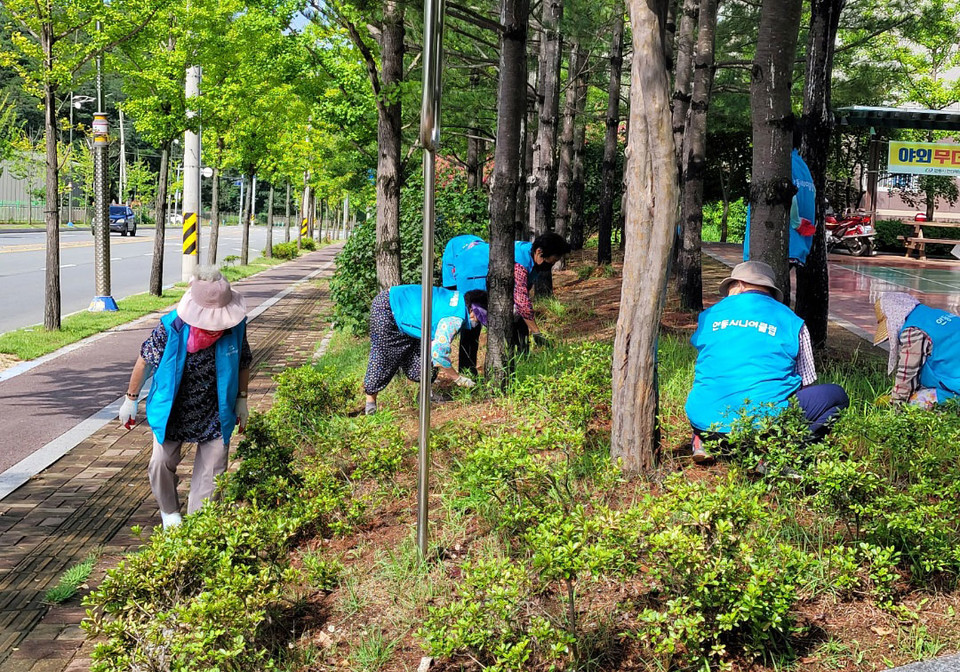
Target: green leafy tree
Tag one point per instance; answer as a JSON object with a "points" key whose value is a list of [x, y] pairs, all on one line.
{"points": [[46, 52]]}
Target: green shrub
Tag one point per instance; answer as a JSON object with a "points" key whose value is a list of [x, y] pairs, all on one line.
{"points": [[724, 582], [308, 244], [713, 218], [202, 596], [490, 620], [285, 250], [354, 284], [306, 395], [266, 473], [322, 573]]}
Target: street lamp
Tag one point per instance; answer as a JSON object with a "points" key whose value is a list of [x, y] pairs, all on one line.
{"points": [[75, 102]]}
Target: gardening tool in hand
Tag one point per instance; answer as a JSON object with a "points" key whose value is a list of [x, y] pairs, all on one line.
{"points": [[240, 408]]}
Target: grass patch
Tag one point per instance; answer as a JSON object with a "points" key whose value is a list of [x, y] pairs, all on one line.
{"points": [[71, 580], [32, 342]]}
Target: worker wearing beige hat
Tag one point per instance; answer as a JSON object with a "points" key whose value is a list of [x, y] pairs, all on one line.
{"points": [[753, 355], [925, 352], [200, 361]]}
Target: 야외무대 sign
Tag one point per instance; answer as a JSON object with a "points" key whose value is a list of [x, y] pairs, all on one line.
{"points": [[923, 158]]}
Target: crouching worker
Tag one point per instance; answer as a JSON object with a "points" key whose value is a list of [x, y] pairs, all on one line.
{"points": [[395, 317], [753, 355], [200, 361], [465, 265], [924, 350]]}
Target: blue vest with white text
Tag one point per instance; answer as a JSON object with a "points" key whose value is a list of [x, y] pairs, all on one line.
{"points": [[747, 347], [806, 206], [405, 304], [941, 370], [167, 377]]}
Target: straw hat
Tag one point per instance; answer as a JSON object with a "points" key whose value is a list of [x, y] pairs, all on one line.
{"points": [[882, 333], [210, 303], [754, 273]]}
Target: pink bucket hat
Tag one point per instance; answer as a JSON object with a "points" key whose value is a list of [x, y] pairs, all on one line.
{"points": [[211, 304]]}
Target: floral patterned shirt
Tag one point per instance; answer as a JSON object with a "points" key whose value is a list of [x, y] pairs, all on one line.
{"points": [[447, 328]]}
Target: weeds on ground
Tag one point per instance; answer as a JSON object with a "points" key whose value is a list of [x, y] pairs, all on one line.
{"points": [[71, 580]]}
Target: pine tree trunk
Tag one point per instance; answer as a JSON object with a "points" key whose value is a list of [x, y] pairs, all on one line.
{"points": [[511, 104], [286, 226], [51, 306], [473, 160], [389, 147], [813, 280], [689, 276], [670, 34], [548, 104], [577, 185], [652, 197], [214, 219], [609, 168], [683, 76], [268, 250], [528, 128], [771, 189], [163, 181], [565, 165], [245, 223]]}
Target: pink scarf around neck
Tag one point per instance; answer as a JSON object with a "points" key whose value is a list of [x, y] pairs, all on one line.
{"points": [[201, 338]]}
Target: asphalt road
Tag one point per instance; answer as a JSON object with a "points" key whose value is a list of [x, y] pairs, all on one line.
{"points": [[22, 267]]}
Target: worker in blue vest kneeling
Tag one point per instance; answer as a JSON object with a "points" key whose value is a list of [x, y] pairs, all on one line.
{"points": [[465, 264], [753, 355], [925, 353], [200, 360], [395, 317]]}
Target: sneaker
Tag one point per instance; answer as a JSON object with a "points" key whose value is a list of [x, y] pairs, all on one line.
{"points": [[370, 408], [786, 472], [700, 456], [170, 519]]}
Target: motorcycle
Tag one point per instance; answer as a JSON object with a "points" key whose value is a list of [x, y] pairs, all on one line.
{"points": [[853, 232]]}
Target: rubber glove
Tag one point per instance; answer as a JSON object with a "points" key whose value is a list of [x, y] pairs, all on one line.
{"points": [[240, 408], [463, 381], [128, 412]]}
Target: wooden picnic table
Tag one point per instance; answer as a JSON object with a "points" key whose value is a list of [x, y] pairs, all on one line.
{"points": [[918, 241]]}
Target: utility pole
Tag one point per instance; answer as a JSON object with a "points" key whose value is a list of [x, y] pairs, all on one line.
{"points": [[253, 200], [123, 163], [304, 209], [191, 184], [102, 301]]}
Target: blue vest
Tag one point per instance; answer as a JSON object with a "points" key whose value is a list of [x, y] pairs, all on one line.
{"points": [[466, 263], [806, 206], [459, 245], [747, 347], [167, 377], [941, 370], [405, 304]]}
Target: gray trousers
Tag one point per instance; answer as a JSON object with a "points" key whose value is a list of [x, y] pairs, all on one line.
{"points": [[210, 462]]}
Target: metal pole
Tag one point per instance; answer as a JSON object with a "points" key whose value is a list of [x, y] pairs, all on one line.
{"points": [[70, 167], [191, 185], [429, 138], [304, 209], [123, 162], [102, 301], [253, 200]]}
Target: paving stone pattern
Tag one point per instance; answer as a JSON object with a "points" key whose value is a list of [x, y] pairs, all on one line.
{"points": [[90, 499]]}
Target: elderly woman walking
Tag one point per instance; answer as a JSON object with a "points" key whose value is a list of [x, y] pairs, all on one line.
{"points": [[200, 361]]}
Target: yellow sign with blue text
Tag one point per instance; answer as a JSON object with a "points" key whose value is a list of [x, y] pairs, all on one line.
{"points": [[923, 158]]}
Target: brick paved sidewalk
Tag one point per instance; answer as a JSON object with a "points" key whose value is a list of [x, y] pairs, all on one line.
{"points": [[91, 497]]}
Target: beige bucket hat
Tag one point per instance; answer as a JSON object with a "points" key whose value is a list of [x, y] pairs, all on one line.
{"points": [[210, 303], [755, 273]]}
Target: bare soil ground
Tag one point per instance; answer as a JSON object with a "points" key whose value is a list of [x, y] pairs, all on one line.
{"points": [[376, 606]]}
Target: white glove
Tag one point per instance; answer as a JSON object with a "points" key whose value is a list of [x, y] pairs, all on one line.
{"points": [[240, 408], [128, 412], [463, 381]]}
